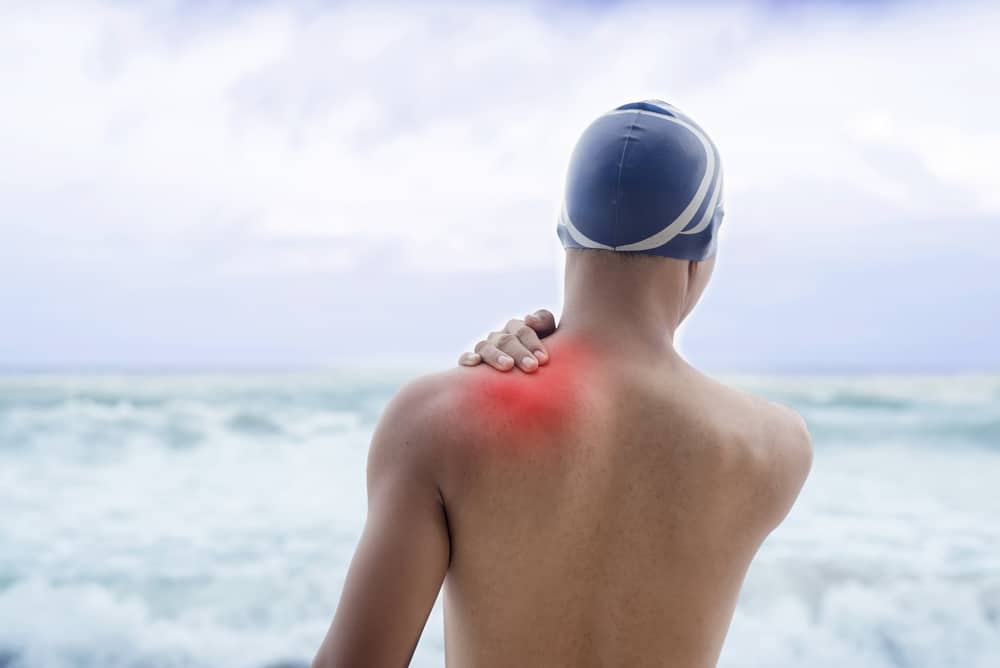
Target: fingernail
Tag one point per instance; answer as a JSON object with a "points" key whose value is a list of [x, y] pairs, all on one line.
{"points": [[529, 361], [505, 360], [470, 359], [541, 355]]}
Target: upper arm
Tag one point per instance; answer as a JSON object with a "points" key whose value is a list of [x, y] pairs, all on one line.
{"points": [[403, 554], [783, 462], [797, 449]]}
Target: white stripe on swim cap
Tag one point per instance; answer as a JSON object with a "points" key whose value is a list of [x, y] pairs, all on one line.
{"points": [[709, 214], [578, 236]]}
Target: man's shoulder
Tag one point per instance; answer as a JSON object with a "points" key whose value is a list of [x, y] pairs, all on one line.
{"points": [[411, 431], [422, 406], [760, 420], [429, 413], [459, 414], [771, 441], [779, 451]]}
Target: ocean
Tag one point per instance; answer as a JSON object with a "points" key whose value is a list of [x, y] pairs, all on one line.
{"points": [[207, 520]]}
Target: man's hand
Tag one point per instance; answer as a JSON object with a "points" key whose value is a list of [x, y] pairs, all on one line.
{"points": [[518, 344]]}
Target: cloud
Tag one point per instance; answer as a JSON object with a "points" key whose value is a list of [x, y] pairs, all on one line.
{"points": [[264, 139]]}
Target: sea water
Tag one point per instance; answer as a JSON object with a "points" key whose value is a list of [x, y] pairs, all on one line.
{"points": [[208, 521]]}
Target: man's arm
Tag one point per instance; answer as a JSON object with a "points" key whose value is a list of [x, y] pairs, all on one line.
{"points": [[404, 551], [786, 459]]}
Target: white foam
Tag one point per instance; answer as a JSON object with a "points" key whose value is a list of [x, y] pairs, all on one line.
{"points": [[122, 548]]}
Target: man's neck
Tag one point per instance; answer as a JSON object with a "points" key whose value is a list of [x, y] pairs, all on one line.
{"points": [[632, 305]]}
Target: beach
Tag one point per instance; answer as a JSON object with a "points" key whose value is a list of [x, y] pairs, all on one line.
{"points": [[195, 520]]}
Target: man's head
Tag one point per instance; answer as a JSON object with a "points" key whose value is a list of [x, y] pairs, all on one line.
{"points": [[645, 180]]}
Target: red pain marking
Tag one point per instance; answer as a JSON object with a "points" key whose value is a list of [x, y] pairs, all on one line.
{"points": [[537, 404]]}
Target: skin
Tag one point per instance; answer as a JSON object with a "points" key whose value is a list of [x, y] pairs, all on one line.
{"points": [[600, 510]]}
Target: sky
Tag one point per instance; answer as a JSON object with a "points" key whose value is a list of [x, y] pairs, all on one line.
{"points": [[269, 185]]}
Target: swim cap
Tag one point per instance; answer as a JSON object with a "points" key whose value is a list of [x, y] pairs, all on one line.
{"points": [[644, 178]]}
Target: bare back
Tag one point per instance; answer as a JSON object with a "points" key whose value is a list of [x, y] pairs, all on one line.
{"points": [[604, 513], [600, 512]]}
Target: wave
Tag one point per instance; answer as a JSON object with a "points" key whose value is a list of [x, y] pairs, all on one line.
{"points": [[781, 621], [97, 414], [87, 626], [195, 521], [82, 425]]}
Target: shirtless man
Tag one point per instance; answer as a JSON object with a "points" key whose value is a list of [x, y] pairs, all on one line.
{"points": [[603, 509]]}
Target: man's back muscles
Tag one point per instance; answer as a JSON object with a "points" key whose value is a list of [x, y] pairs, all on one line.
{"points": [[602, 511]]}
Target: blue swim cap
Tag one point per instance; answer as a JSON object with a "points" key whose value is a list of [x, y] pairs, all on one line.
{"points": [[644, 178]]}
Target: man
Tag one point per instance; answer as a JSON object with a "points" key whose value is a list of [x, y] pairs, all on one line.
{"points": [[601, 510]]}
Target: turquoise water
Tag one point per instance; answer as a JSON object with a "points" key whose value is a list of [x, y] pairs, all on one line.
{"points": [[207, 520]]}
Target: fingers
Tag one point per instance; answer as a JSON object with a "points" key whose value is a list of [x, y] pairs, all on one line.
{"points": [[510, 344], [542, 322], [470, 359], [518, 344], [528, 339], [496, 358]]}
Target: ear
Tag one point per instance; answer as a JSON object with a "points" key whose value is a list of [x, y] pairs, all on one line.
{"points": [[692, 271], [698, 275]]}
